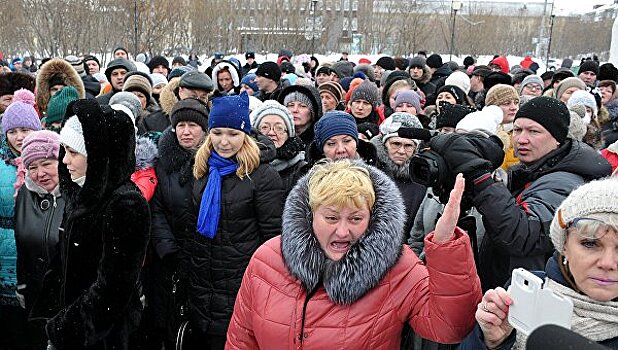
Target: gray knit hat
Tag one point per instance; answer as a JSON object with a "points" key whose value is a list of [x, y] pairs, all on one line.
{"points": [[300, 97], [568, 83], [367, 91], [272, 107], [596, 199], [390, 126], [530, 79]]}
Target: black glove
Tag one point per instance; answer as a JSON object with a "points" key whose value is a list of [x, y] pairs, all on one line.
{"points": [[461, 156]]}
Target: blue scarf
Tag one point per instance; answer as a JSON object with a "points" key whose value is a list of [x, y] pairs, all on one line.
{"points": [[210, 206]]}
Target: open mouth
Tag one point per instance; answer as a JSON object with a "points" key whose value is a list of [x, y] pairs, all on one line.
{"points": [[340, 246]]}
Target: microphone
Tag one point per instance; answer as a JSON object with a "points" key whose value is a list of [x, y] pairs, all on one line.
{"points": [[417, 133], [552, 337]]}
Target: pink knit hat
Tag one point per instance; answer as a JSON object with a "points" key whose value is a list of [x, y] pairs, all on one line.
{"points": [[21, 113], [43, 144]]}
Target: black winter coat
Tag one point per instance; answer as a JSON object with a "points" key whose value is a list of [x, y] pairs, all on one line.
{"points": [[251, 210], [517, 219], [38, 215], [289, 162], [90, 292]]}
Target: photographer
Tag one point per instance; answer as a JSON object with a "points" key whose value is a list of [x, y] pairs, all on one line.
{"points": [[517, 218]]}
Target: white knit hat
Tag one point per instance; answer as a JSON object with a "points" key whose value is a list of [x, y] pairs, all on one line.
{"points": [[596, 198], [72, 135], [459, 79], [272, 107], [581, 97], [488, 119]]}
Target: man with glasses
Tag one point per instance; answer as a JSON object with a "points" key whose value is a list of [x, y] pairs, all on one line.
{"points": [[532, 85]]}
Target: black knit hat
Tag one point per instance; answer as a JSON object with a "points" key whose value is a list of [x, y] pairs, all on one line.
{"points": [[190, 110], [458, 93], [451, 114], [495, 78], [386, 62], [434, 61], [179, 60], [92, 58], [269, 70], [552, 114], [159, 61], [589, 66]]}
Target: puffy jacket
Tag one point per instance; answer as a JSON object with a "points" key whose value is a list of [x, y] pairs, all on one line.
{"points": [[292, 297], [8, 253], [250, 215], [38, 215], [611, 154], [90, 292], [412, 192], [517, 219]]}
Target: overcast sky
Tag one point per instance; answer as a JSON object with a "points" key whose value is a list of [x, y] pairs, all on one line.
{"points": [[564, 6]]}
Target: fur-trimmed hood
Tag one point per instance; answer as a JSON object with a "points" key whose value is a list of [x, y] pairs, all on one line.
{"points": [[168, 98], [367, 261], [425, 78], [64, 70], [233, 71], [109, 137], [399, 172]]}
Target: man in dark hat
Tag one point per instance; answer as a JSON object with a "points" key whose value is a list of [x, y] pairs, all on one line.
{"points": [[588, 72], [159, 64], [115, 73], [268, 77], [195, 84], [251, 64]]}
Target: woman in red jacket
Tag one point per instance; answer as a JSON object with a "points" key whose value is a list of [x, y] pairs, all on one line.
{"points": [[339, 277]]}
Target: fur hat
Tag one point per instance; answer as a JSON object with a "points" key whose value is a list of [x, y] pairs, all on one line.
{"points": [[495, 78], [138, 82], [190, 110], [269, 70], [271, 107], [390, 126], [596, 199], [72, 135], [13, 81], [410, 97], [367, 91], [501, 94], [42, 144], [459, 79], [230, 112], [386, 62], [568, 83], [334, 123], [21, 113], [582, 97], [60, 70], [589, 66], [158, 61], [434, 61], [552, 114], [57, 106]]}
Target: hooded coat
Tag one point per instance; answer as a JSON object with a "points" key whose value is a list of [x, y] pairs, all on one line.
{"points": [[316, 104], [56, 67], [90, 295], [412, 192], [233, 72], [293, 297], [251, 211], [517, 218]]}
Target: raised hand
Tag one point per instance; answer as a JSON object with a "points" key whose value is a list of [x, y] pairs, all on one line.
{"points": [[491, 314], [445, 228]]}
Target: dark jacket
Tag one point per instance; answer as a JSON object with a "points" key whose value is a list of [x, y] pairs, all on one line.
{"points": [[90, 292], [517, 218], [425, 84], [247, 67], [38, 215], [104, 99], [251, 211], [411, 192], [274, 95], [289, 162], [91, 85], [609, 131], [476, 341]]}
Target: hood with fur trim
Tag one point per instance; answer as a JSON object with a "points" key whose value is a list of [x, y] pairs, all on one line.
{"points": [[109, 137], [233, 71], [62, 69], [399, 172], [367, 261], [168, 98]]}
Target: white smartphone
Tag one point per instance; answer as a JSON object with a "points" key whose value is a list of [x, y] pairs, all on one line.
{"points": [[534, 306]]}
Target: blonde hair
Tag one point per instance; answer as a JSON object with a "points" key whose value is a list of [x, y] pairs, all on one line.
{"points": [[396, 85], [341, 184], [248, 158]]}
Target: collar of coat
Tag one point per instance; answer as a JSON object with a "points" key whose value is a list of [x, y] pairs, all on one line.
{"points": [[367, 261], [399, 172]]}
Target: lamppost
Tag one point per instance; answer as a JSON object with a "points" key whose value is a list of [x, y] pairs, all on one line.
{"points": [[455, 6], [135, 28], [313, 3], [551, 31]]}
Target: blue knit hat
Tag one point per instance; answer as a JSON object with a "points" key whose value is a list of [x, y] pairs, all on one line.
{"points": [[334, 123], [230, 112], [250, 81]]}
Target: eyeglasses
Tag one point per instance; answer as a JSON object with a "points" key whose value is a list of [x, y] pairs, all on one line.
{"points": [[533, 87], [266, 128], [406, 146], [589, 228]]}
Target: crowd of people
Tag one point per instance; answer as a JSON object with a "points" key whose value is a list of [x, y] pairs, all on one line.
{"points": [[151, 204]]}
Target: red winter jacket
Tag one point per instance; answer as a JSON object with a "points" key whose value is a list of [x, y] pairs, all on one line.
{"points": [[612, 158], [438, 301], [146, 180], [526, 62]]}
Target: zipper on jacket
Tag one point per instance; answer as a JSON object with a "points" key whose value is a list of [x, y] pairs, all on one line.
{"points": [[301, 336], [50, 219]]}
